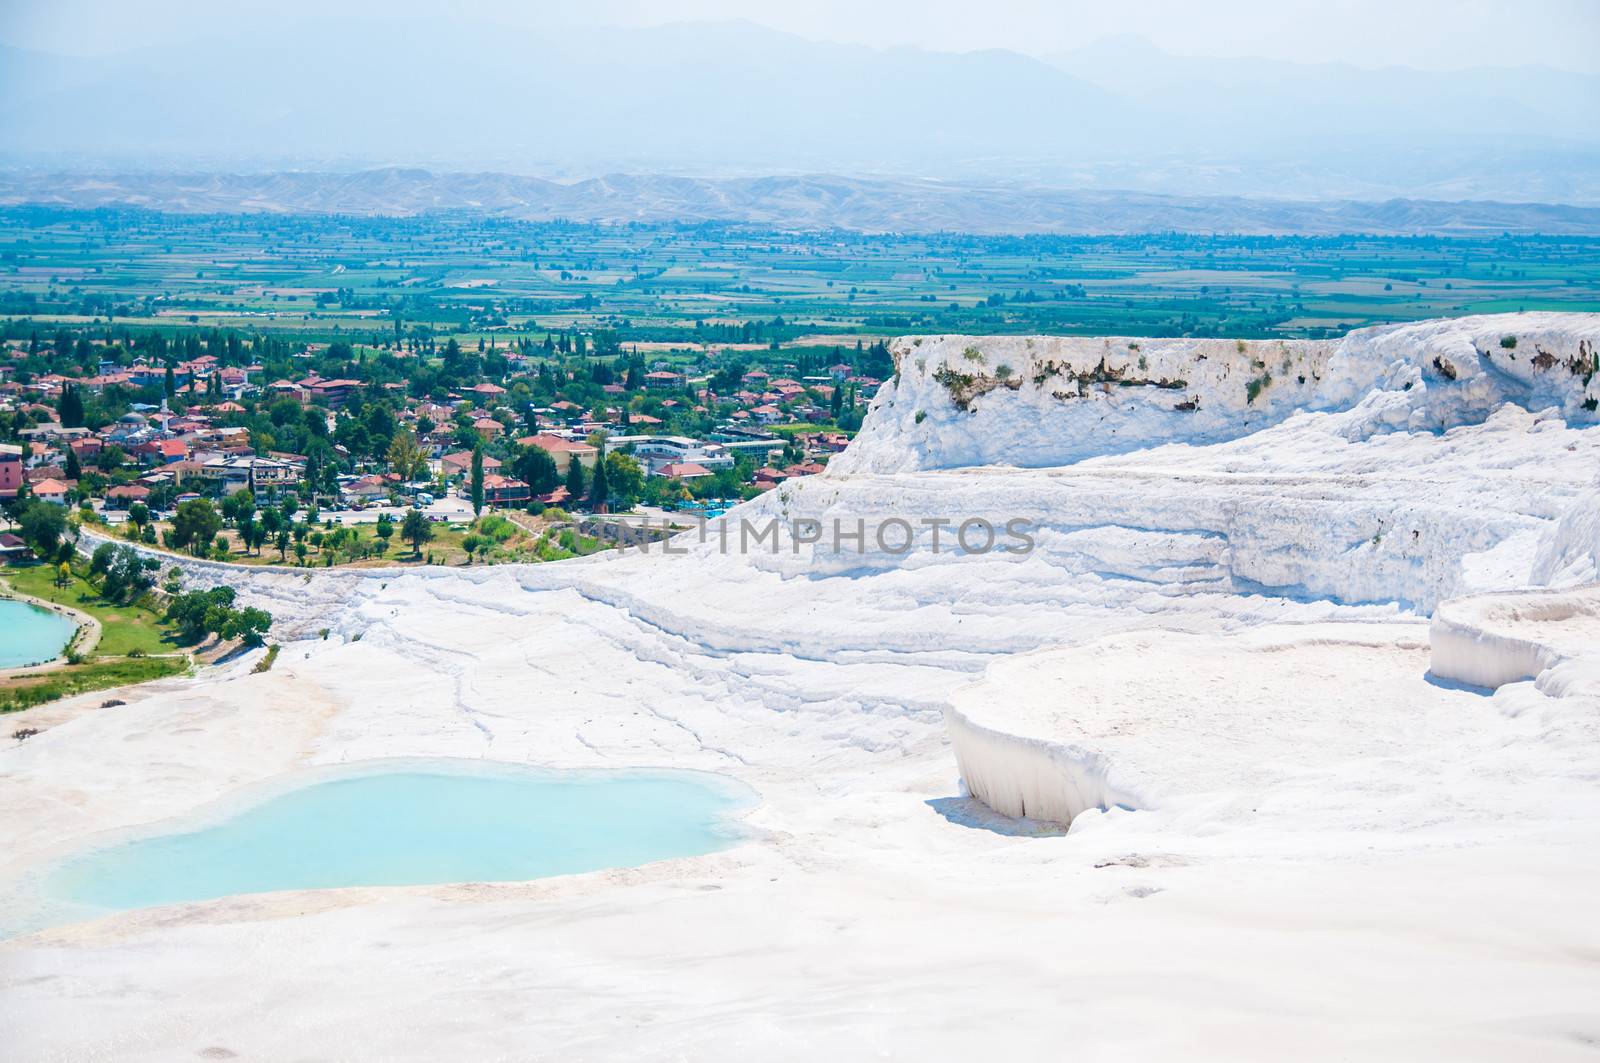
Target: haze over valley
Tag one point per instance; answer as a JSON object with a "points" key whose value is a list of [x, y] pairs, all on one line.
{"points": [[739, 99], [737, 530]]}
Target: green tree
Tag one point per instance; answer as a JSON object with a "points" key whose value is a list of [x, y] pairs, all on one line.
{"points": [[600, 486], [71, 407], [252, 533], [100, 560], [384, 531], [74, 466], [126, 575], [625, 478], [239, 507], [379, 424], [43, 526], [405, 456], [477, 480], [196, 612], [416, 530], [249, 624], [534, 467], [574, 483], [195, 524]]}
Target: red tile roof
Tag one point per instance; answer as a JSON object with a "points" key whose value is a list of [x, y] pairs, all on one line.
{"points": [[556, 444]]}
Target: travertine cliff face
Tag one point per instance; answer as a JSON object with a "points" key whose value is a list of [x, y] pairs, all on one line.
{"points": [[1037, 401]]}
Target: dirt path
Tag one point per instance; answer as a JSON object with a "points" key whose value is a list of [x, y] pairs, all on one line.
{"points": [[213, 658]]}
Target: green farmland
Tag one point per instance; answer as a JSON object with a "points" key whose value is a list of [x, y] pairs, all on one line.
{"points": [[666, 288]]}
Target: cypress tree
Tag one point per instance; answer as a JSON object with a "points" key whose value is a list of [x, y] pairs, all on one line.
{"points": [[599, 490], [71, 407], [574, 483], [477, 479]]}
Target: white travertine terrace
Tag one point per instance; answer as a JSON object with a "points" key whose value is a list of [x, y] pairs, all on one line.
{"points": [[1159, 718], [1549, 636], [1155, 718], [1317, 840]]}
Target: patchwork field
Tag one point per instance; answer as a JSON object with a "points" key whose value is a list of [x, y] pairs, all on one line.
{"points": [[667, 287]]}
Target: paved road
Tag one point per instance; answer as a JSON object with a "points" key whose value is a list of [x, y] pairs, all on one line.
{"points": [[450, 509]]}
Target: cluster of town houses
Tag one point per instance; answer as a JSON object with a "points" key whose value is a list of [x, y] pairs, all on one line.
{"points": [[197, 453]]}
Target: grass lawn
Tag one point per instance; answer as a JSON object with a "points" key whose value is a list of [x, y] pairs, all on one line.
{"points": [[804, 426], [518, 537], [25, 691], [124, 629], [446, 543]]}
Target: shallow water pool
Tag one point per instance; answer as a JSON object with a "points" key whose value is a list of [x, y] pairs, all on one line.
{"points": [[416, 825], [30, 635]]}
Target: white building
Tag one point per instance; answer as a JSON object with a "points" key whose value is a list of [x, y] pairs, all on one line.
{"points": [[236, 474], [657, 452]]}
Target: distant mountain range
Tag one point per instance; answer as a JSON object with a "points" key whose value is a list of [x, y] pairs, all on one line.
{"points": [[812, 202], [735, 99]]}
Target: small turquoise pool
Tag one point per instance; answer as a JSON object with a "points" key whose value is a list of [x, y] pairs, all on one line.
{"points": [[417, 825], [30, 635]]}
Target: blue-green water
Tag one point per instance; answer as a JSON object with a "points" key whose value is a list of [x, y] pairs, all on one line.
{"points": [[30, 635], [413, 826]]}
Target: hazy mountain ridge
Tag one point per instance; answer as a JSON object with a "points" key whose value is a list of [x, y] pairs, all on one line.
{"points": [[735, 99], [808, 201], [1240, 93]]}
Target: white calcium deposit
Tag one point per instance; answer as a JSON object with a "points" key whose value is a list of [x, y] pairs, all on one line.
{"points": [[1305, 651]]}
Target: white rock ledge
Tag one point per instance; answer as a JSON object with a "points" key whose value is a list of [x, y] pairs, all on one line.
{"points": [[1162, 719], [1549, 636], [1034, 778]]}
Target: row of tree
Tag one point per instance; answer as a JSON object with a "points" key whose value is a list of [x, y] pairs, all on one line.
{"points": [[198, 613], [124, 574]]}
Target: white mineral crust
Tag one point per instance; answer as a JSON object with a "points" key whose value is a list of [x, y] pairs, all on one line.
{"points": [[1309, 663]]}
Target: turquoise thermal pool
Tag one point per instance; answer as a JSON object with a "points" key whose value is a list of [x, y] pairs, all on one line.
{"points": [[30, 635], [416, 825]]}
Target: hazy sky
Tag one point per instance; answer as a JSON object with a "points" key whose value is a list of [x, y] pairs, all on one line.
{"points": [[1434, 34]]}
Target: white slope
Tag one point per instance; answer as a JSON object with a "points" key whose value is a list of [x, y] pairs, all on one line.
{"points": [[1260, 725], [1038, 401], [1547, 636], [1397, 869]]}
